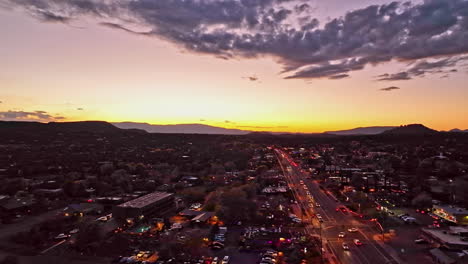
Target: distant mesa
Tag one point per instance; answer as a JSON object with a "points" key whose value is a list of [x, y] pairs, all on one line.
{"points": [[413, 129], [374, 130], [99, 127], [181, 128], [456, 130]]}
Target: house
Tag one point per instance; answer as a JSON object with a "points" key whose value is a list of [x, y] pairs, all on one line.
{"points": [[16, 205]]}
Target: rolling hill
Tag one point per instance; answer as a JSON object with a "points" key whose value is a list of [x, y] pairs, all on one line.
{"points": [[181, 128]]}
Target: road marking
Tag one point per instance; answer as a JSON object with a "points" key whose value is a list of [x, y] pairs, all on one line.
{"points": [[357, 251]]}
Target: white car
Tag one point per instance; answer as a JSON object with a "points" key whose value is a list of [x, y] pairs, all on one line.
{"points": [[341, 234], [352, 230], [296, 220], [268, 259], [62, 236], [345, 246], [225, 260]]}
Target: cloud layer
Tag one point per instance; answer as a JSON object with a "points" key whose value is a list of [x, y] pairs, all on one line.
{"points": [[39, 116], [287, 31], [389, 89]]}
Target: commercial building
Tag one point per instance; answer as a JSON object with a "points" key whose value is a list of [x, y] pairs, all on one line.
{"points": [[452, 214], [445, 238], [155, 204]]}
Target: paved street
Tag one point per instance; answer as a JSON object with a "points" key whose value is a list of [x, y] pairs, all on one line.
{"points": [[334, 221]]}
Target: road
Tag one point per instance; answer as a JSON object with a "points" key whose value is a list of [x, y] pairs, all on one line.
{"points": [[334, 221]]}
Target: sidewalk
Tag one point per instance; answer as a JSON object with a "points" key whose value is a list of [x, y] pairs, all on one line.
{"points": [[392, 252]]}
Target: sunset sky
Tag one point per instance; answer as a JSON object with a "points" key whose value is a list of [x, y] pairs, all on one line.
{"points": [[272, 65]]}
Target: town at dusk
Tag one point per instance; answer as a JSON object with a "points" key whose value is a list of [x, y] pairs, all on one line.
{"points": [[233, 131]]}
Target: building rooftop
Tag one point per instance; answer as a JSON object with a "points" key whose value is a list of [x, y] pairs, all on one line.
{"points": [[452, 210], [145, 200], [441, 256], [446, 237]]}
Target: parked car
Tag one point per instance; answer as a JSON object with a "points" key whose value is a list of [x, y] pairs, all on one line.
{"points": [[420, 241], [225, 260], [296, 220]]}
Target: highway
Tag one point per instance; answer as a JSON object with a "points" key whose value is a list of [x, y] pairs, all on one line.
{"points": [[336, 219]]}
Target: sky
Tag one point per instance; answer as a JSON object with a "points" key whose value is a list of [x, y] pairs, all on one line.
{"points": [[267, 65]]}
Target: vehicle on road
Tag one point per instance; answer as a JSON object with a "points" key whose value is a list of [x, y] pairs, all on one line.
{"points": [[225, 260], [62, 236], [341, 234], [342, 209], [317, 204], [352, 230], [345, 246], [409, 219], [357, 242], [215, 260]]}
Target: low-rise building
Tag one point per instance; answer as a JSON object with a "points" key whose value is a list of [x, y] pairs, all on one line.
{"points": [[445, 239], [452, 214], [151, 205]]}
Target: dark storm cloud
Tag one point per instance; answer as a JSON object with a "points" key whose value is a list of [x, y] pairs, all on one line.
{"points": [[389, 89], [250, 28], [41, 116]]}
